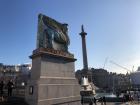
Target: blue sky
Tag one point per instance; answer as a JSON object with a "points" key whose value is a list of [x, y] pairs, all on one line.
{"points": [[113, 28]]}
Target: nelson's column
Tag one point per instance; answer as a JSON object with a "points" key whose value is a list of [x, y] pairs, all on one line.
{"points": [[85, 62], [88, 87]]}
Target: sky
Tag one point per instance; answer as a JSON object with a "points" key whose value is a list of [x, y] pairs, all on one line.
{"points": [[112, 26]]}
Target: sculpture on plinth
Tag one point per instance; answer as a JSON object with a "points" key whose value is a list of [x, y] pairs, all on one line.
{"points": [[52, 34], [52, 79]]}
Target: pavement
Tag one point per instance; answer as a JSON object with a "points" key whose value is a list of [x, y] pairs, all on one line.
{"points": [[12, 101], [117, 103], [21, 101]]}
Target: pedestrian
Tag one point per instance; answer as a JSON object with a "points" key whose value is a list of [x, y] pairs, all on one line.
{"points": [[101, 100], [138, 97], [94, 100], [82, 100], [1, 90], [90, 103], [104, 100], [1, 87], [10, 86]]}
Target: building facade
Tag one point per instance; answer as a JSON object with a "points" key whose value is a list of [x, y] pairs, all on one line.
{"points": [[19, 74]]}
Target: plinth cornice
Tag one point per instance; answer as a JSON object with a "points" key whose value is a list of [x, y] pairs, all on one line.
{"points": [[53, 53]]}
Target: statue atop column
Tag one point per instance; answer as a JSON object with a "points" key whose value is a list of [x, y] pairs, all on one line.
{"points": [[52, 34]]}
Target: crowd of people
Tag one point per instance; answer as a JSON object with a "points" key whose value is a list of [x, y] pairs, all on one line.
{"points": [[131, 97], [9, 86]]}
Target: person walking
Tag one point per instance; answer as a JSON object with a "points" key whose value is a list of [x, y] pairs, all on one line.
{"points": [[1, 87], [104, 100], [10, 86], [1, 90], [101, 100], [90, 103], [94, 100]]}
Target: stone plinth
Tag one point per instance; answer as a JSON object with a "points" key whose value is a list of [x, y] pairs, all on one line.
{"points": [[53, 79]]}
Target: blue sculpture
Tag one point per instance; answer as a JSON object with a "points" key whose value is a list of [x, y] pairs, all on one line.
{"points": [[52, 34]]}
